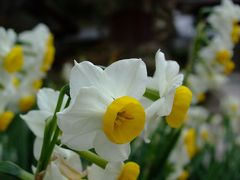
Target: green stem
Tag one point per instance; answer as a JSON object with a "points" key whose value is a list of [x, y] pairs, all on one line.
{"points": [[90, 156], [45, 144], [50, 148], [50, 134]]}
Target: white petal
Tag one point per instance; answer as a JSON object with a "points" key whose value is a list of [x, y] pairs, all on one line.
{"points": [[146, 102], [80, 142], [160, 73], [152, 114], [110, 151], [166, 75], [174, 83], [172, 69], [53, 173], [71, 158], [167, 107], [161, 63], [36, 121], [112, 170], [85, 74], [94, 172], [37, 147], [127, 77], [161, 107], [153, 83], [47, 99], [155, 108], [85, 113]]}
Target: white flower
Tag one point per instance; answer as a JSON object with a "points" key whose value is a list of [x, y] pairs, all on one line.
{"points": [[104, 112], [64, 163], [35, 40], [165, 80], [36, 119], [230, 105], [37, 44], [197, 115], [212, 52], [209, 79], [228, 13], [199, 85]]}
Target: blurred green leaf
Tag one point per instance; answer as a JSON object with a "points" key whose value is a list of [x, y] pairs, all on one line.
{"points": [[12, 169]]}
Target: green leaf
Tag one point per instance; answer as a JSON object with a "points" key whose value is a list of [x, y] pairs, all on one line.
{"points": [[12, 169]]}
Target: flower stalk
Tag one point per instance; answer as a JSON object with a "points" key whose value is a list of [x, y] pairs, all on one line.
{"points": [[52, 131]]}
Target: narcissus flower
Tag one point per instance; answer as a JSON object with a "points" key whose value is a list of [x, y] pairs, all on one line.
{"points": [[64, 164], [114, 171], [217, 53], [165, 81], [105, 113], [229, 13], [39, 48], [231, 105]]}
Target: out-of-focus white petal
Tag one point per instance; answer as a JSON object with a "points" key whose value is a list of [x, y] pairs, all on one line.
{"points": [[36, 121], [37, 146], [47, 99]]}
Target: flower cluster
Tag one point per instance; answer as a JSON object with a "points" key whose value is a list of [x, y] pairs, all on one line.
{"points": [[217, 39], [105, 110], [210, 130], [25, 59]]}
